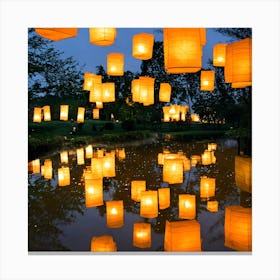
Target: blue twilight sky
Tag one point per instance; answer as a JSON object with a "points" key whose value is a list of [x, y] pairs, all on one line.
{"points": [[90, 56]]}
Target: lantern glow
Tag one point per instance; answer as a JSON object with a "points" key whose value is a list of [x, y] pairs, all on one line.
{"points": [[219, 55], [149, 204], [142, 235], [164, 198], [187, 206], [103, 243], [243, 173], [102, 36], [207, 187], [64, 112], [57, 34], [173, 171], [207, 79], [115, 213], [63, 176], [94, 192], [115, 64], [142, 46], [137, 186]]}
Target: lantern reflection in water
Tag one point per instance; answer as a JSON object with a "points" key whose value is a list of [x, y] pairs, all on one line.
{"points": [[108, 92], [64, 157], [164, 198], [243, 173], [187, 206], [182, 236], [149, 204], [108, 168], [120, 153], [173, 171], [89, 151], [238, 228], [195, 159], [95, 114], [212, 205], [36, 166], [63, 176], [207, 80], [48, 170], [142, 46], [94, 192], [142, 235], [137, 187], [97, 168], [207, 187], [103, 243], [64, 112], [80, 156], [115, 213]]}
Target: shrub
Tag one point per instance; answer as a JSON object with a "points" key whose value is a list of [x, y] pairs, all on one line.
{"points": [[109, 126], [128, 125]]}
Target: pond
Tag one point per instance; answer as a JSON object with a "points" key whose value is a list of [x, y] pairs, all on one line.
{"points": [[58, 219]]}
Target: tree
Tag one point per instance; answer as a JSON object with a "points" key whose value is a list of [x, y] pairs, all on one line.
{"points": [[236, 33]]}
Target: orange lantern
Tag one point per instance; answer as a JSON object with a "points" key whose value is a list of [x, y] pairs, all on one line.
{"points": [[120, 153], [212, 146], [99, 105], [183, 49], [37, 115], [94, 192], [97, 168], [195, 159], [48, 170], [212, 205], [95, 114], [174, 112], [108, 92], [182, 236], [80, 156], [90, 80], [219, 55], [187, 206], [173, 171], [186, 163], [208, 158], [164, 92], [115, 213], [57, 34], [63, 176], [195, 118], [64, 112], [137, 187], [183, 111], [103, 243], [64, 157], [81, 115], [135, 87], [108, 166], [142, 46], [96, 93], [243, 173], [149, 204], [207, 80], [142, 235], [47, 113], [36, 166], [164, 198], [89, 151], [238, 228], [102, 36], [207, 187], [166, 116], [87, 173], [146, 90], [115, 64]]}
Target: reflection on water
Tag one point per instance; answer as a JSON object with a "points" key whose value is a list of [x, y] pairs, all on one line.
{"points": [[138, 209]]}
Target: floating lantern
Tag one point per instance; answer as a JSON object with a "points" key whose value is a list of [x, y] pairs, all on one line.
{"points": [[149, 204], [97, 168], [142, 46], [212, 146], [57, 34], [164, 92], [137, 187], [102, 36], [243, 173], [99, 105], [47, 113], [88, 174], [182, 236], [186, 164], [100, 153], [219, 55], [207, 80], [64, 112], [207, 187], [120, 154], [142, 235], [195, 159], [80, 156], [187, 206], [96, 93], [135, 87], [63, 176], [37, 115], [108, 92], [183, 111], [115, 213], [238, 228], [183, 49], [36, 166], [103, 243], [146, 90], [89, 151], [90, 80], [108, 166], [173, 171], [94, 192], [81, 115], [164, 198], [115, 64], [207, 157], [48, 170], [195, 118], [64, 157], [95, 114], [166, 116], [212, 205]]}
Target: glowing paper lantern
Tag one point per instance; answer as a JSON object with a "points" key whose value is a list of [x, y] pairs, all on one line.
{"points": [[63, 176], [137, 187], [90, 80], [212, 146], [36, 166], [238, 228], [47, 113], [164, 92], [182, 236], [108, 166], [120, 153], [115, 64], [195, 159], [243, 173], [102, 36], [142, 46], [94, 192], [183, 111], [186, 163], [57, 34], [64, 112], [166, 116], [142, 235], [81, 115], [146, 90], [37, 115], [103, 243], [183, 49], [212, 205], [207, 187], [207, 80], [97, 168], [115, 213], [195, 118], [135, 87], [108, 92], [48, 170], [149, 204], [96, 93], [173, 171], [95, 114], [219, 55], [80, 156], [164, 198], [187, 206], [99, 105], [64, 157], [89, 151]]}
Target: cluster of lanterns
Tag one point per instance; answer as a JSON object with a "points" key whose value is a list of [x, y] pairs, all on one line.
{"points": [[175, 113]]}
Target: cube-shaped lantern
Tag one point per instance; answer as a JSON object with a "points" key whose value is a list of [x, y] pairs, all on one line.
{"points": [[89, 151], [81, 115], [212, 146], [207, 187], [47, 113], [195, 118], [99, 105], [208, 157], [137, 187], [97, 168], [164, 198], [95, 114], [135, 90], [90, 80], [63, 176], [115, 213], [212, 205], [94, 192], [243, 173], [146, 90], [149, 204], [36, 166], [195, 159], [108, 92], [64, 112], [164, 92], [37, 115], [102, 36], [207, 80], [115, 64], [187, 206], [120, 153], [142, 235], [96, 93], [173, 171], [103, 243], [64, 157], [48, 170], [57, 34], [108, 168], [219, 55], [142, 46], [80, 156]]}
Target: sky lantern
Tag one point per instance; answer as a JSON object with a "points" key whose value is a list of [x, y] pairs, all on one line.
{"points": [[96, 93], [80, 156], [142, 235], [115, 64], [164, 198], [102, 36], [81, 115], [94, 192], [219, 55], [57, 34], [183, 49], [166, 116], [89, 151], [64, 112], [173, 171], [146, 90], [99, 105], [207, 80], [182, 236], [207, 187], [135, 87], [142, 46], [115, 213], [103, 243], [137, 186], [184, 110], [212, 146], [186, 163], [95, 114], [63, 176], [187, 206], [90, 80], [212, 205], [164, 92], [37, 115], [243, 173], [195, 118], [149, 204], [238, 228], [108, 92], [64, 157], [97, 168], [47, 113]]}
